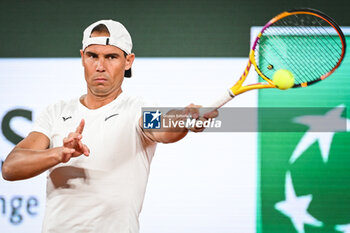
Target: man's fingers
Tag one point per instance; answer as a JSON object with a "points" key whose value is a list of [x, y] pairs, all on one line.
{"points": [[67, 140], [71, 137], [197, 130], [80, 146], [67, 150], [75, 135], [211, 114], [193, 111], [73, 144], [86, 150], [80, 127]]}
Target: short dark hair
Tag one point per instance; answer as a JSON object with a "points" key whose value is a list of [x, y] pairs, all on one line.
{"points": [[100, 28]]}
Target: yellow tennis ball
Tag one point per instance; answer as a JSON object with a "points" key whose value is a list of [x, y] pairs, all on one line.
{"points": [[283, 79]]}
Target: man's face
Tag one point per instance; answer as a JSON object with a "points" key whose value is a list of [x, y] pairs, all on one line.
{"points": [[104, 67]]}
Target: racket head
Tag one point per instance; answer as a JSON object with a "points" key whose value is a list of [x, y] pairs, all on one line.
{"points": [[306, 42]]}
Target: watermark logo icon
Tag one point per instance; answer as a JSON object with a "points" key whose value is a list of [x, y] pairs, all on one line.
{"points": [[152, 119]]}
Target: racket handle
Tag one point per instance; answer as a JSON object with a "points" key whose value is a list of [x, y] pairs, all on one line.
{"points": [[218, 103]]}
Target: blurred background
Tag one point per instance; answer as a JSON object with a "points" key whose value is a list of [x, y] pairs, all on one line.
{"points": [[186, 51], [183, 28]]}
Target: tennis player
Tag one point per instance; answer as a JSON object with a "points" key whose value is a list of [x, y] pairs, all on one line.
{"points": [[94, 147]]}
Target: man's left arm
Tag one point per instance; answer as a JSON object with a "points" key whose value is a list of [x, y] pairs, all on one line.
{"points": [[176, 132]]}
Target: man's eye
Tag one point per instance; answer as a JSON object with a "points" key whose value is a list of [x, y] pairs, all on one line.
{"points": [[112, 57], [91, 55]]}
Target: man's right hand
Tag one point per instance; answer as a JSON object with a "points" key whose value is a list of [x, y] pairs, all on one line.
{"points": [[73, 146], [32, 155]]}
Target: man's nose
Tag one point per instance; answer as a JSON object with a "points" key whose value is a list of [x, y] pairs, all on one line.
{"points": [[100, 65]]}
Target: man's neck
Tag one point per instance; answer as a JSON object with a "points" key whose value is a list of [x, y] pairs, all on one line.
{"points": [[94, 102]]}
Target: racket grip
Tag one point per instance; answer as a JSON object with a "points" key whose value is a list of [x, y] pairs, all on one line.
{"points": [[218, 103]]}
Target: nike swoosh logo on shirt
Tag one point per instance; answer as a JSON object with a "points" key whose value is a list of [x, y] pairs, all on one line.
{"points": [[116, 114], [66, 118]]}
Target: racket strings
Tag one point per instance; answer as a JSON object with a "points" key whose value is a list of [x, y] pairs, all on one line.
{"points": [[276, 56], [298, 69], [307, 56], [339, 49], [325, 34], [271, 60], [336, 45], [303, 43], [323, 54], [299, 50]]}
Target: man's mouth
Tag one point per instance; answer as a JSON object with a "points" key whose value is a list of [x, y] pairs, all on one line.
{"points": [[100, 79]]}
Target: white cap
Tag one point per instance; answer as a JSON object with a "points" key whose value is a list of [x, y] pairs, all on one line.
{"points": [[118, 36]]}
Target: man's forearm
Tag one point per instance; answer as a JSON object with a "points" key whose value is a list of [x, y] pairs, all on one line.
{"points": [[179, 124], [26, 163], [173, 132]]}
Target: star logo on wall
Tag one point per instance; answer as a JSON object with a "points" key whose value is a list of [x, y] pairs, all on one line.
{"points": [[321, 129], [295, 207]]}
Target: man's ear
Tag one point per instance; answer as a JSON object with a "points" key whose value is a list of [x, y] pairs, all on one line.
{"points": [[82, 56], [129, 60]]}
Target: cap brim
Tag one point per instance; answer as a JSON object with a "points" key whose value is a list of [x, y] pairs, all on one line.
{"points": [[127, 73]]}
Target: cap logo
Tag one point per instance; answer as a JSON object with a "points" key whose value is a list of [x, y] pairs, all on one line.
{"points": [[107, 41]]}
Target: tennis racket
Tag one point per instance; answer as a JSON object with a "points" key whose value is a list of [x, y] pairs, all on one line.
{"points": [[306, 42]]}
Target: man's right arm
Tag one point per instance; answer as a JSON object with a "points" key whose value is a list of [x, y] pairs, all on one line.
{"points": [[31, 156]]}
